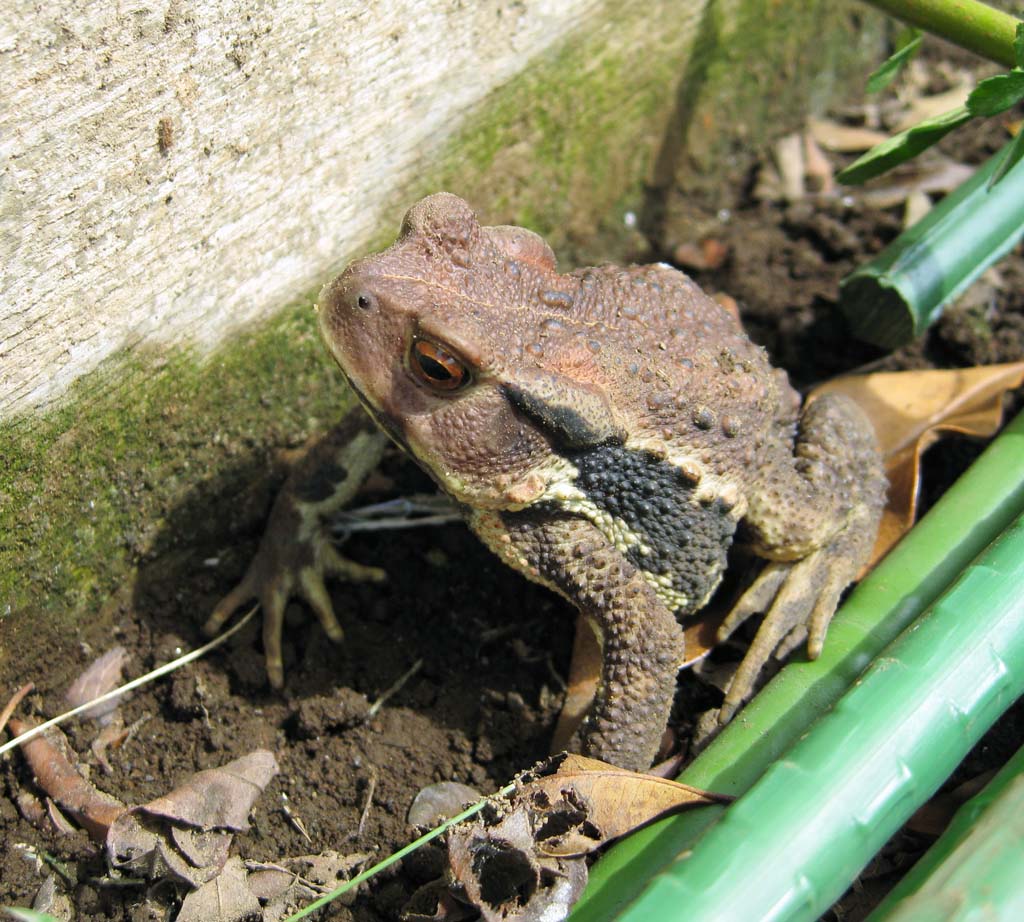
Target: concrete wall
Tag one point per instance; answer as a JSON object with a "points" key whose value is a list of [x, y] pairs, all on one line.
{"points": [[175, 170]]}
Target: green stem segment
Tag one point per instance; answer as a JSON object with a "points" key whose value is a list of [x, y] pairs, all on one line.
{"points": [[893, 298], [972, 25], [792, 845], [974, 870], [964, 521]]}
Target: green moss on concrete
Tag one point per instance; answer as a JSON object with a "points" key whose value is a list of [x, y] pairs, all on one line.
{"points": [[765, 64], [134, 462], [150, 457]]}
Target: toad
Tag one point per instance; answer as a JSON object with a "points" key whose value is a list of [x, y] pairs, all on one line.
{"points": [[606, 432]]}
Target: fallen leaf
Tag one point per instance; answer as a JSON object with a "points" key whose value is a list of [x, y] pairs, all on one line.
{"points": [[140, 845], [581, 687], [523, 857], [498, 869], [47, 756], [817, 168], [185, 835], [294, 881], [434, 902], [226, 898], [218, 798], [101, 676], [789, 160], [917, 205], [910, 410], [937, 175], [710, 253], [437, 802], [925, 107], [587, 803]]}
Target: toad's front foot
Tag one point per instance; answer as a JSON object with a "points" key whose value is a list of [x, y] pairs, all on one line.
{"points": [[798, 599]]}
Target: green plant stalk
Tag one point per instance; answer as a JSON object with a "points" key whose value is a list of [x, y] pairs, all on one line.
{"points": [[893, 298], [972, 25], [974, 870], [962, 523], [790, 847]]}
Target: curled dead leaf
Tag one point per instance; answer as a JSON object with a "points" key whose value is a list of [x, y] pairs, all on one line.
{"points": [[101, 676], [585, 803], [185, 835], [48, 757], [910, 410], [523, 857]]}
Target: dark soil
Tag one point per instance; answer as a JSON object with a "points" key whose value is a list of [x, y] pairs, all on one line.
{"points": [[494, 648]]}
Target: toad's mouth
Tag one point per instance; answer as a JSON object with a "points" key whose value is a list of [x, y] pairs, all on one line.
{"points": [[387, 425]]}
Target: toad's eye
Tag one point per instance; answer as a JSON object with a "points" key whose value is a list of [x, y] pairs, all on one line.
{"points": [[436, 367]]}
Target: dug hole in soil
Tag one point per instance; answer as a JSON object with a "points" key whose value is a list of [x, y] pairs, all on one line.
{"points": [[494, 648]]}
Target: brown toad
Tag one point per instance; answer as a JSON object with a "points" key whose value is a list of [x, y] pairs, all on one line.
{"points": [[605, 432]]}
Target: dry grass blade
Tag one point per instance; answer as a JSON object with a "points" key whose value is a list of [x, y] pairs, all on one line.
{"points": [[128, 686]]}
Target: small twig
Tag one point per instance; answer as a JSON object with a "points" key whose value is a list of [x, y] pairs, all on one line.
{"points": [[128, 686], [371, 787], [556, 677], [5, 715], [60, 869], [397, 686], [297, 878], [404, 512], [293, 818]]}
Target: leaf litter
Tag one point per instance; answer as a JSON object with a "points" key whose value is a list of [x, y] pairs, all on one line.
{"points": [[523, 857]]}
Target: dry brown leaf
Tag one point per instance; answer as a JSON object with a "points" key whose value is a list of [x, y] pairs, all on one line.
{"points": [[218, 798], [497, 868], [584, 675], [595, 803], [439, 801], [934, 176], [523, 857], [910, 410], [185, 835], [225, 898], [99, 677], [58, 777], [789, 160], [925, 107], [818, 168]]}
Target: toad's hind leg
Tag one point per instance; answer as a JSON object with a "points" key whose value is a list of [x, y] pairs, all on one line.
{"points": [[815, 518]]}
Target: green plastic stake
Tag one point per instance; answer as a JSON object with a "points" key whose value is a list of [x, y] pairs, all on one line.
{"points": [[960, 525], [976, 869], [893, 298], [790, 847]]}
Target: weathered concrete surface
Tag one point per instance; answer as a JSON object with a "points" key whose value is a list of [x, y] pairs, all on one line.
{"points": [[175, 170]]}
